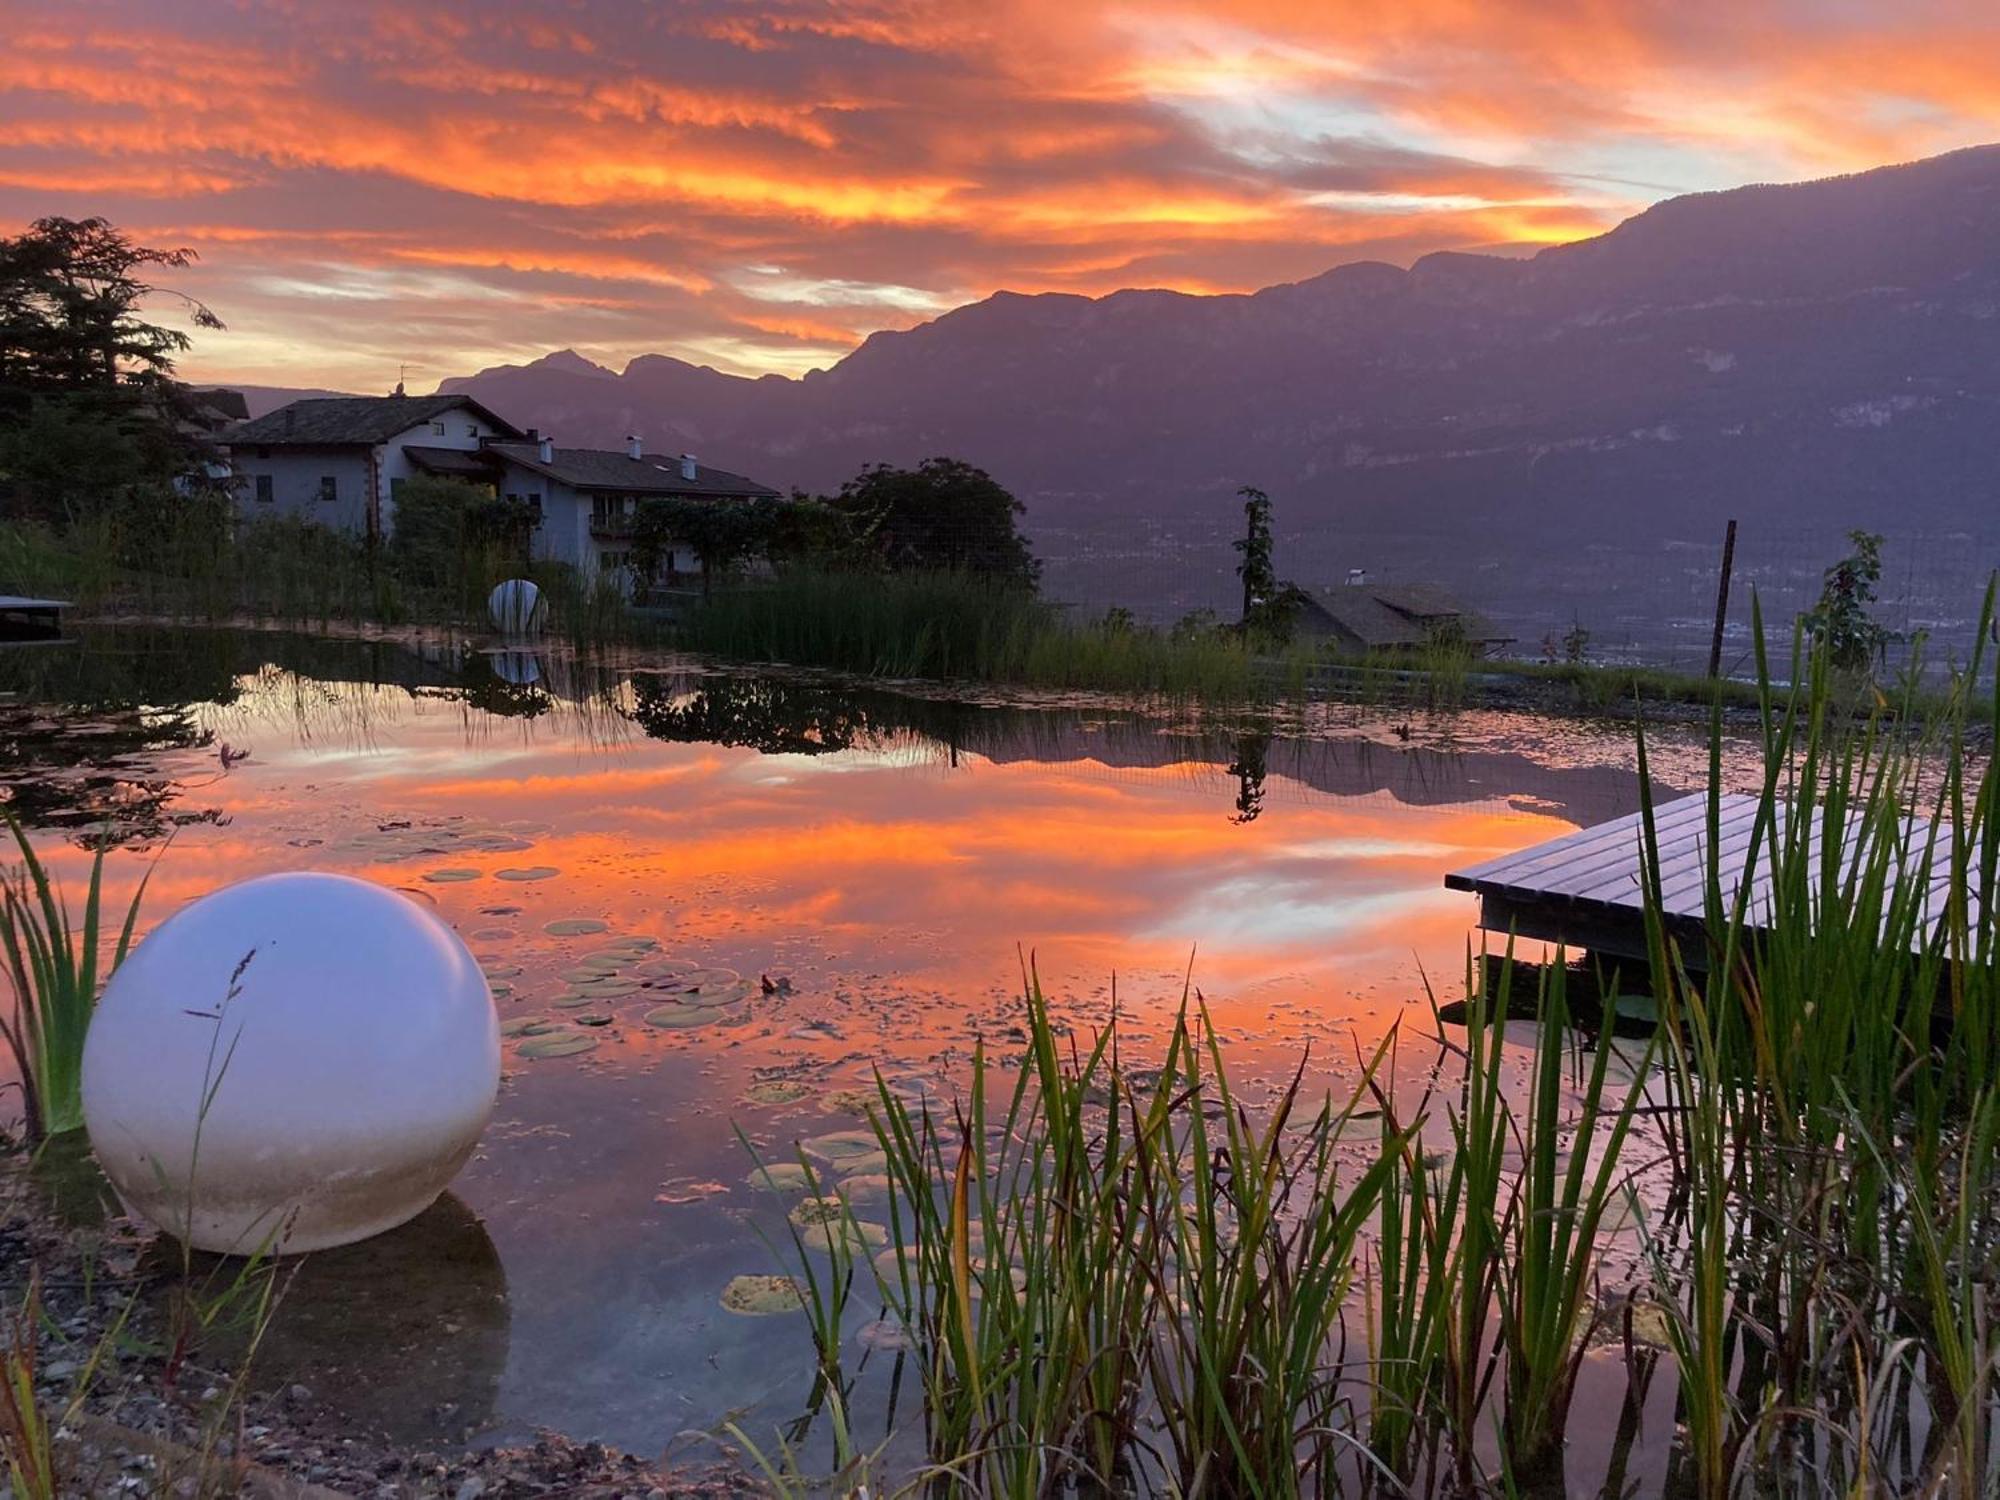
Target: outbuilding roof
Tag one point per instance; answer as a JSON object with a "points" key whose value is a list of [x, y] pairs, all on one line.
{"points": [[1381, 617], [337, 421], [611, 470]]}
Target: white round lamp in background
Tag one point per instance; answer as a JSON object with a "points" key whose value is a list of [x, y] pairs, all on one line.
{"points": [[516, 607], [335, 1092]]}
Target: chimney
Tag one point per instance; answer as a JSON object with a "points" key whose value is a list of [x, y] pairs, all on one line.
{"points": [[546, 448], [633, 447], [687, 466], [534, 434]]}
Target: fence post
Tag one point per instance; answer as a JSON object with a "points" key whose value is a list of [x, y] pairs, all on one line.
{"points": [[1722, 601]]}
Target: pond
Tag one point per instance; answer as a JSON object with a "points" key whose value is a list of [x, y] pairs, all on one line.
{"points": [[861, 872]]}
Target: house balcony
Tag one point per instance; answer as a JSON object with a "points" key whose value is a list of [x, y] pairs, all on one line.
{"points": [[611, 528]]}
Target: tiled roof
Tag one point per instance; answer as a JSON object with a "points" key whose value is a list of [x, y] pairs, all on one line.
{"points": [[466, 463], [610, 469], [361, 420], [1404, 616]]}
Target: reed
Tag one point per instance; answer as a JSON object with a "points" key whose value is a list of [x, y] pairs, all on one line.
{"points": [[52, 966]]}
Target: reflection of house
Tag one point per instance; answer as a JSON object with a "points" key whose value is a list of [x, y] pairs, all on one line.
{"points": [[340, 460], [1365, 617], [587, 497]]}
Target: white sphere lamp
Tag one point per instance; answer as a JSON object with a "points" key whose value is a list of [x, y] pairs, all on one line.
{"points": [[298, 1061], [515, 607]]}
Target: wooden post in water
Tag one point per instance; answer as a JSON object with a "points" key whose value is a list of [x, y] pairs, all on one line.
{"points": [[1722, 602]]}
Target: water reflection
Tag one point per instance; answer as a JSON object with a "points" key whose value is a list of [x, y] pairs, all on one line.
{"points": [[883, 852], [427, 1301]]}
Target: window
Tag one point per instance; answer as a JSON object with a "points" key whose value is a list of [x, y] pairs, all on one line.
{"points": [[437, 429], [264, 489], [472, 429], [329, 489], [396, 489]]}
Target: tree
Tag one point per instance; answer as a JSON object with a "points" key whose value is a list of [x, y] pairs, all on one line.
{"points": [[725, 534], [942, 516], [445, 526], [77, 358], [1852, 636], [1269, 604]]}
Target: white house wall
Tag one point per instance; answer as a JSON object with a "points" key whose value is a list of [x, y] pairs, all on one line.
{"points": [[295, 472], [295, 475]]}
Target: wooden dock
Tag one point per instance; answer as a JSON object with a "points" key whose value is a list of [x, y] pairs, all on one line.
{"points": [[25, 619], [1586, 889]]}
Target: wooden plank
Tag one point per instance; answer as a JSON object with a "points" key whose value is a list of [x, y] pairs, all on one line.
{"points": [[1558, 885]]}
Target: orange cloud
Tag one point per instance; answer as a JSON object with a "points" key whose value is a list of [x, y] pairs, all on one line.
{"points": [[948, 147]]}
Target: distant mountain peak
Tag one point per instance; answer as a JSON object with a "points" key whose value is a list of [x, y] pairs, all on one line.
{"points": [[570, 361]]}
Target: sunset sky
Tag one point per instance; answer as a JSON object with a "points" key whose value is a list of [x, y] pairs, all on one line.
{"points": [[758, 184]]}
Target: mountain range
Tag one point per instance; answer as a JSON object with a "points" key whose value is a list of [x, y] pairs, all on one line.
{"points": [[1803, 358]]}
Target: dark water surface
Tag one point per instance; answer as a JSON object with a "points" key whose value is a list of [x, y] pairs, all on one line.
{"points": [[889, 855]]}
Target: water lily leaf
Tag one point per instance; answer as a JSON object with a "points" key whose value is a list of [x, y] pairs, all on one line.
{"points": [[531, 872], [1637, 1008], [665, 968], [760, 1296], [450, 877], [714, 997], [885, 1336], [557, 1044], [776, 1091], [525, 1026], [585, 972], [857, 1236], [575, 927], [865, 1187], [809, 1211], [842, 1146], [679, 1017], [609, 989], [857, 1101], [599, 1018], [779, 1177], [501, 971]]}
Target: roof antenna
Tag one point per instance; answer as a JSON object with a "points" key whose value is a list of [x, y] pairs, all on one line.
{"points": [[402, 370]]}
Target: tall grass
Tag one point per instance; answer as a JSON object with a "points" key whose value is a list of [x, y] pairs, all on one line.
{"points": [[949, 626], [52, 966]]}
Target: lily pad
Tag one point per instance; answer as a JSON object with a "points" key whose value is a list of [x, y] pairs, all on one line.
{"points": [[885, 1336], [529, 872], [501, 971], [856, 1101], [678, 1017], [557, 1044], [450, 877], [761, 1296], [716, 996], [776, 1091], [843, 1146], [1637, 1008], [809, 1211], [665, 968], [857, 1236], [588, 971], [608, 989], [525, 1026], [779, 1177], [865, 1187], [575, 927]]}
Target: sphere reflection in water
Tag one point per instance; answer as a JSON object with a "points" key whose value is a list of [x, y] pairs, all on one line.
{"points": [[406, 1333], [295, 1062]]}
